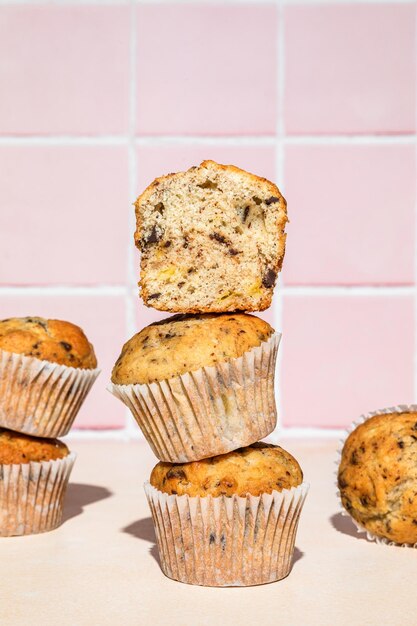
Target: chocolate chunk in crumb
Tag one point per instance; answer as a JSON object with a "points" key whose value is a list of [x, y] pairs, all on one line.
{"points": [[219, 238], [181, 284], [269, 279], [271, 200], [245, 214], [154, 296], [153, 237], [233, 252]]}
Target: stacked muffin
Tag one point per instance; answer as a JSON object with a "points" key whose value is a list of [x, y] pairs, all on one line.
{"points": [[201, 384], [47, 368]]}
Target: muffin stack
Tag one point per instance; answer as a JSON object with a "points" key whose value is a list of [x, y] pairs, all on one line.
{"points": [[47, 368], [201, 384]]}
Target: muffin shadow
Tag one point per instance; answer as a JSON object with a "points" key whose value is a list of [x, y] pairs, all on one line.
{"points": [[81, 495], [343, 524], [144, 529]]}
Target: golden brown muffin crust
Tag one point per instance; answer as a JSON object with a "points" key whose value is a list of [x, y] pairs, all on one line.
{"points": [[17, 448], [184, 343], [50, 340], [378, 476], [256, 469]]}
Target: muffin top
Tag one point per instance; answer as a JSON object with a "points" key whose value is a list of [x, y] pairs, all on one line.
{"points": [[256, 469], [49, 340], [184, 343], [17, 448], [378, 476]]}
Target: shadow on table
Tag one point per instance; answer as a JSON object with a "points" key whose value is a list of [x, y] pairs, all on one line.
{"points": [[78, 496], [343, 524], [143, 529]]}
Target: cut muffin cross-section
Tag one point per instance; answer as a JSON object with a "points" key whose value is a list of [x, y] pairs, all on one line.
{"points": [[212, 240]]}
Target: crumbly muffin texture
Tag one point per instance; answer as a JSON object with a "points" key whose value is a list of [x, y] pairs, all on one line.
{"points": [[184, 343], [50, 340], [211, 238], [378, 476], [16, 448], [256, 469]]}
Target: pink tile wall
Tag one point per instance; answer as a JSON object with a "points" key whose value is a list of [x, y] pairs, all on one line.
{"points": [[97, 100]]}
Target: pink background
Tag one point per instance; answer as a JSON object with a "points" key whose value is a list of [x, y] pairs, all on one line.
{"points": [[98, 99]]}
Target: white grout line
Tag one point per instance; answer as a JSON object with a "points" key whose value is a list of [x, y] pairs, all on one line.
{"points": [[219, 140], [415, 252], [282, 290], [63, 290]]}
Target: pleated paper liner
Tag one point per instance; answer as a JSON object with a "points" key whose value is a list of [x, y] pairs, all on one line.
{"points": [[400, 408], [41, 398], [210, 411], [226, 541], [32, 496]]}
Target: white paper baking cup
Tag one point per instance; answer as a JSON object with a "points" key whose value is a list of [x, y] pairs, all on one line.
{"points": [[32, 496], [41, 398], [399, 408], [210, 411], [226, 541]]}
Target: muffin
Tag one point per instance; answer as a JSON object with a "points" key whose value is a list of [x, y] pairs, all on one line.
{"points": [[200, 385], [211, 240], [229, 520], [377, 476], [34, 474], [47, 368]]}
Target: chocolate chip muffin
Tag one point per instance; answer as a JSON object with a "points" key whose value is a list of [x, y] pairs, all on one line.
{"points": [[377, 476], [50, 340], [212, 240], [184, 343], [47, 368], [229, 520], [200, 385], [19, 448], [256, 469], [34, 474]]}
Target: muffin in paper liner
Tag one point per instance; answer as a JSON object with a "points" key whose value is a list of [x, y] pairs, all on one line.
{"points": [[41, 398], [32, 496], [209, 411], [400, 408], [226, 541]]}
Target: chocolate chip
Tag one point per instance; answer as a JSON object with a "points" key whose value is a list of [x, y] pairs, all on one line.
{"points": [[181, 284], [66, 346], [153, 237], [212, 538], [154, 296], [233, 252], [160, 207], [257, 200], [364, 500], [400, 444], [186, 242], [269, 279], [35, 346], [342, 483], [170, 335], [219, 238], [167, 244], [354, 458], [223, 542], [176, 473], [415, 426], [245, 214], [271, 200], [415, 522]]}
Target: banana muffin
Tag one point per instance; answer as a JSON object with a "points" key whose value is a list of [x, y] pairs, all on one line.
{"points": [[47, 368], [50, 340], [200, 385], [256, 469], [19, 448], [184, 343], [377, 476], [34, 474], [212, 240], [229, 520]]}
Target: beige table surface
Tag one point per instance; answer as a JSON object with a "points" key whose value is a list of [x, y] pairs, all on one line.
{"points": [[100, 567]]}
